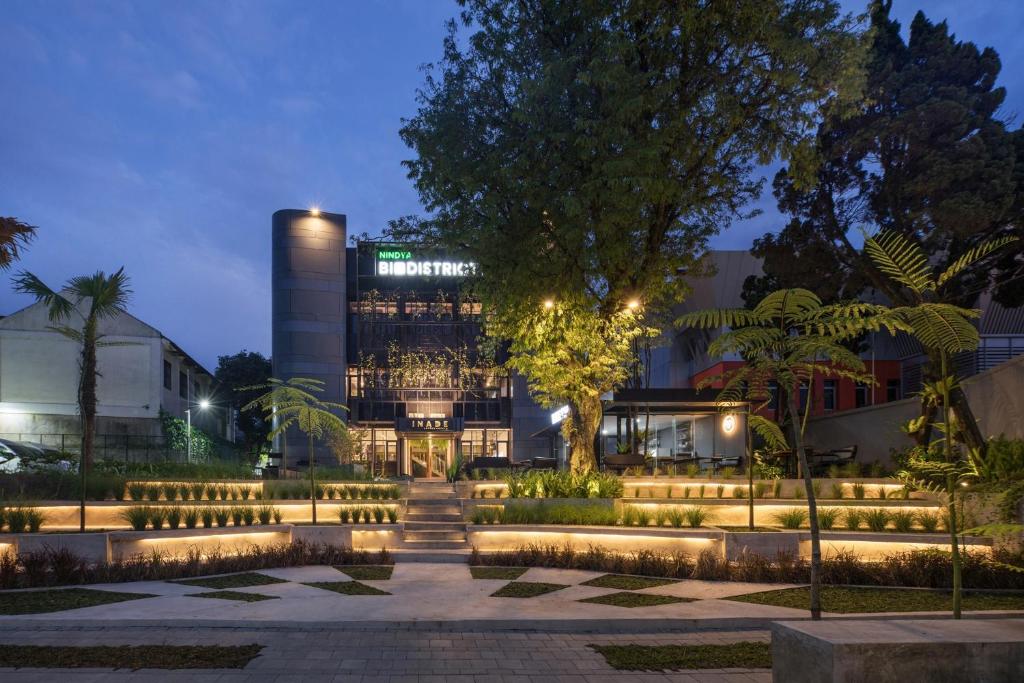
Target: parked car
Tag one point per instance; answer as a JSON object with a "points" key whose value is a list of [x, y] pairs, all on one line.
{"points": [[22, 455]]}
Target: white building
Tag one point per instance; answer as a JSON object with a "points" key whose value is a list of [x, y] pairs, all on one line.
{"points": [[140, 375]]}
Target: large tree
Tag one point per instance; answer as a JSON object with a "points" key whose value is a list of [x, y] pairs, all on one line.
{"points": [[926, 157], [583, 153], [235, 372]]}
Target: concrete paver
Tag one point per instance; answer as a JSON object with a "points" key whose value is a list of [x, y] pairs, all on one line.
{"points": [[389, 655], [419, 593]]}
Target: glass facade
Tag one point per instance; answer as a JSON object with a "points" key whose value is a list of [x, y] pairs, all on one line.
{"points": [[413, 354], [676, 436]]}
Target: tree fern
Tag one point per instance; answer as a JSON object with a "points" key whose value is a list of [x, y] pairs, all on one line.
{"points": [[971, 256], [901, 260]]}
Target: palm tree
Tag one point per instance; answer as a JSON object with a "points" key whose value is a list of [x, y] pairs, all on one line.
{"points": [[946, 329], [292, 402], [14, 235], [90, 298], [789, 338]]}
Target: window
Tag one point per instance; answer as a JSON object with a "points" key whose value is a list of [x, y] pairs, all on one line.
{"points": [[182, 384], [416, 309], [470, 309], [167, 375], [773, 391], [893, 391], [862, 394], [803, 397], [829, 394]]}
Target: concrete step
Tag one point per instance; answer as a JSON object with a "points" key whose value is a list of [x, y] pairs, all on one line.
{"points": [[431, 498], [438, 556], [446, 525], [434, 545], [434, 505], [432, 517], [434, 535], [453, 513], [433, 510]]}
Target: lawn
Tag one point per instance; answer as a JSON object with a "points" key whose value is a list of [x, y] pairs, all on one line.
{"points": [[38, 602], [234, 595], [854, 600], [367, 572], [232, 581], [526, 589], [627, 599], [129, 656], [504, 573], [624, 582], [745, 655], [347, 587]]}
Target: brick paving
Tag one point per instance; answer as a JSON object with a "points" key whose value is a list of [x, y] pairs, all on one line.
{"points": [[392, 655]]}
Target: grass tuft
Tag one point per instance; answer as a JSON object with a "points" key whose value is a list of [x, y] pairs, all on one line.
{"points": [[232, 581], [626, 583], [504, 573], [526, 589], [38, 602], [857, 600], [627, 599], [234, 595], [129, 656], [347, 587], [367, 572], [745, 655]]}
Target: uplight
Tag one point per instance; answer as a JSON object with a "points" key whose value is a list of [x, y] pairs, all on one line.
{"points": [[314, 211]]}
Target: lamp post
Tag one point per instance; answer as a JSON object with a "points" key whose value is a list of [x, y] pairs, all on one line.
{"points": [[203, 405]]}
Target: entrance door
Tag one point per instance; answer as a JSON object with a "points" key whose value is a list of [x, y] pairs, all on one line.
{"points": [[429, 456]]}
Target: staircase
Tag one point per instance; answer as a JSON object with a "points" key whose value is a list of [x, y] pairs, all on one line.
{"points": [[433, 530]]}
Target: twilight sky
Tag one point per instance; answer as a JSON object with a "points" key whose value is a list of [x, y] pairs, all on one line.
{"points": [[162, 135]]}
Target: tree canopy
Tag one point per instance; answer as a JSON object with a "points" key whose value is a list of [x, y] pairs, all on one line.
{"points": [[925, 155], [585, 152], [236, 373]]}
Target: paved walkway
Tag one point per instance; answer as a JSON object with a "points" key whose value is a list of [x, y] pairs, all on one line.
{"points": [[438, 624], [441, 595], [393, 656]]}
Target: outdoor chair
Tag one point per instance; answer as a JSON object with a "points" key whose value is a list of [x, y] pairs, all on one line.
{"points": [[489, 463], [622, 462], [541, 464]]}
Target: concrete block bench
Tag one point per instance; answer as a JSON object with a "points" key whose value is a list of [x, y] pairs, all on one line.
{"points": [[937, 651]]}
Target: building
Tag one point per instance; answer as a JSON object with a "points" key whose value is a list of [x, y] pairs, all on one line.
{"points": [[143, 375], [387, 329]]}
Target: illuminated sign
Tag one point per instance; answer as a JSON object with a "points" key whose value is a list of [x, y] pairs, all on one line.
{"points": [[423, 268], [393, 255], [428, 424], [559, 415]]}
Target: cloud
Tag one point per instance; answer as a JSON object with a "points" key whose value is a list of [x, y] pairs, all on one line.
{"points": [[179, 87]]}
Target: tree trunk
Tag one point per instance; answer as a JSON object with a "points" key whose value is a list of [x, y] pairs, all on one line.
{"points": [[951, 489], [750, 472], [87, 408], [312, 477], [812, 505], [580, 430], [936, 368]]}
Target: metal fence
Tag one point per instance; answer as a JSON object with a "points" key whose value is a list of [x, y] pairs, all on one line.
{"points": [[123, 447]]}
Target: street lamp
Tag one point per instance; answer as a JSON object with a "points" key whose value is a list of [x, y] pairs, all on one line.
{"points": [[203, 405]]}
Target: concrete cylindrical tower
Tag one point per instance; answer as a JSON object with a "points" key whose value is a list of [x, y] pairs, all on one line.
{"points": [[308, 317]]}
